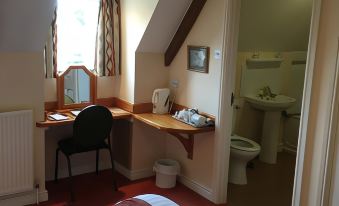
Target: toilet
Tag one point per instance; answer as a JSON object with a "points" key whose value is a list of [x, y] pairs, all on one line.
{"points": [[242, 151]]}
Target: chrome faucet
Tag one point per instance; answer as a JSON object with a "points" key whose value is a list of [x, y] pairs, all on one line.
{"points": [[266, 92]]}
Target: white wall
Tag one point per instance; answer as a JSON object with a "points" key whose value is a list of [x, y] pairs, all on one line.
{"points": [[283, 80], [267, 25], [270, 28]]}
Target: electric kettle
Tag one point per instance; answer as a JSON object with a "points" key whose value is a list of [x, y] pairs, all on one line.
{"points": [[160, 101]]}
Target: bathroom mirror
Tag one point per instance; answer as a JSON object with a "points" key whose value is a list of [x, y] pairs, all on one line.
{"points": [[76, 88]]}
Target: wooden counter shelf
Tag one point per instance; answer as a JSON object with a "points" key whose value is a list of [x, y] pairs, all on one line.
{"points": [[167, 123], [117, 113], [162, 122]]}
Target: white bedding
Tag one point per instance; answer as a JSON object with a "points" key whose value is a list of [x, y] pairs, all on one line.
{"points": [[156, 200]]}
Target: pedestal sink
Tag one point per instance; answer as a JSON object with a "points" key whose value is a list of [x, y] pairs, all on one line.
{"points": [[270, 137]]}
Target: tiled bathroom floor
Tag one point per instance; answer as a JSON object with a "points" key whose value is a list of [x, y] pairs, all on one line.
{"points": [[267, 184]]}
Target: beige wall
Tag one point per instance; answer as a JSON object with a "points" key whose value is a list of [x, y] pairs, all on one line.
{"points": [[195, 90], [21, 87], [134, 19], [148, 145], [199, 90], [105, 88], [325, 64], [50, 90], [81, 163], [135, 16], [334, 188], [140, 76], [24, 24], [267, 25], [150, 73]]}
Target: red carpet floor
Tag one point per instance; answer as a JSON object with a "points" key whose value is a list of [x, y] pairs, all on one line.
{"points": [[92, 190]]}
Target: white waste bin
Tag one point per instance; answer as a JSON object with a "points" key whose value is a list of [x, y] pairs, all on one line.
{"points": [[166, 172]]}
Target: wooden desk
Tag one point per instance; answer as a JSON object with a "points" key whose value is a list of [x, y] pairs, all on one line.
{"points": [[162, 122], [174, 127], [116, 113]]}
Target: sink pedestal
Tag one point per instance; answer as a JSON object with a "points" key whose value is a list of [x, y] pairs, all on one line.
{"points": [[270, 137], [272, 108]]}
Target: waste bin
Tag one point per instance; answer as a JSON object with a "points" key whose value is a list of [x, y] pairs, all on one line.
{"points": [[166, 172]]}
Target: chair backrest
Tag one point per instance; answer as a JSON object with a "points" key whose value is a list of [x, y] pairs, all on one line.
{"points": [[92, 126]]}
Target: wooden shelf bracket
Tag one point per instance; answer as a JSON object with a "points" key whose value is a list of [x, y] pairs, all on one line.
{"points": [[188, 143]]}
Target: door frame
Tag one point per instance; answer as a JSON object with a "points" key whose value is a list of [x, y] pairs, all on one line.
{"points": [[332, 141], [228, 69]]}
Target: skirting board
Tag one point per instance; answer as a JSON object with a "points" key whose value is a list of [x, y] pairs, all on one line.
{"points": [[280, 147], [139, 174], [78, 170], [24, 199], [133, 174], [290, 150], [196, 187], [104, 165], [143, 173]]}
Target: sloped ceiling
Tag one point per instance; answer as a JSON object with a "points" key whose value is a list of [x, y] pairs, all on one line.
{"points": [[164, 22], [24, 24]]}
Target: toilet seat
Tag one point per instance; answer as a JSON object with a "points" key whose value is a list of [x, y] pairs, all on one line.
{"points": [[244, 144]]}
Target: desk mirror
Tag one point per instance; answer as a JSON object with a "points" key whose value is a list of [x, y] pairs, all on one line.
{"points": [[76, 88]]}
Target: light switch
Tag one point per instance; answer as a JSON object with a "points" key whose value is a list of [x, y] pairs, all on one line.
{"points": [[175, 83], [217, 54]]}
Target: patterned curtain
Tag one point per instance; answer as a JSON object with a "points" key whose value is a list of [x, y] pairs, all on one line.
{"points": [[107, 54], [50, 50], [55, 41]]}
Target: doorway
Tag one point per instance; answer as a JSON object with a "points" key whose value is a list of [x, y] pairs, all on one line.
{"points": [[270, 70], [231, 81]]}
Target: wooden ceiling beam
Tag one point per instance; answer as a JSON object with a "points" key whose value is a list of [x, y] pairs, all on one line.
{"points": [[183, 30]]}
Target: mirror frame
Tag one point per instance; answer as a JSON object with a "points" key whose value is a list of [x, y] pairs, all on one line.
{"points": [[61, 91]]}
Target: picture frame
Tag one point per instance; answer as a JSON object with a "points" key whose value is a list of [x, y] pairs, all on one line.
{"points": [[198, 58]]}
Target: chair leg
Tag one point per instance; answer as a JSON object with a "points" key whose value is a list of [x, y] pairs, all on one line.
{"points": [[97, 162], [113, 170], [56, 165], [70, 176]]}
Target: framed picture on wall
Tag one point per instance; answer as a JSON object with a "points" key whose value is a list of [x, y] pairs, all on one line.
{"points": [[198, 58]]}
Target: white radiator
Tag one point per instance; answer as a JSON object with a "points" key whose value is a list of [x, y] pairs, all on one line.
{"points": [[16, 152]]}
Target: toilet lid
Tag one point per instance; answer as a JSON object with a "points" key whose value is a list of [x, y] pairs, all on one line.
{"points": [[244, 144]]}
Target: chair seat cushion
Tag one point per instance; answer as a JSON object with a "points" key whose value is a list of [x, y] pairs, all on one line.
{"points": [[68, 147]]}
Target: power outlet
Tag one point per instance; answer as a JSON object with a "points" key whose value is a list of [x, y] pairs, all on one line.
{"points": [[174, 83]]}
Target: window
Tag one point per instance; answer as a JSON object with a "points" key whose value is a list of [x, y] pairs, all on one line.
{"points": [[77, 22]]}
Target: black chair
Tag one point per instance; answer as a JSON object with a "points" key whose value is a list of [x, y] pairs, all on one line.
{"points": [[91, 128]]}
